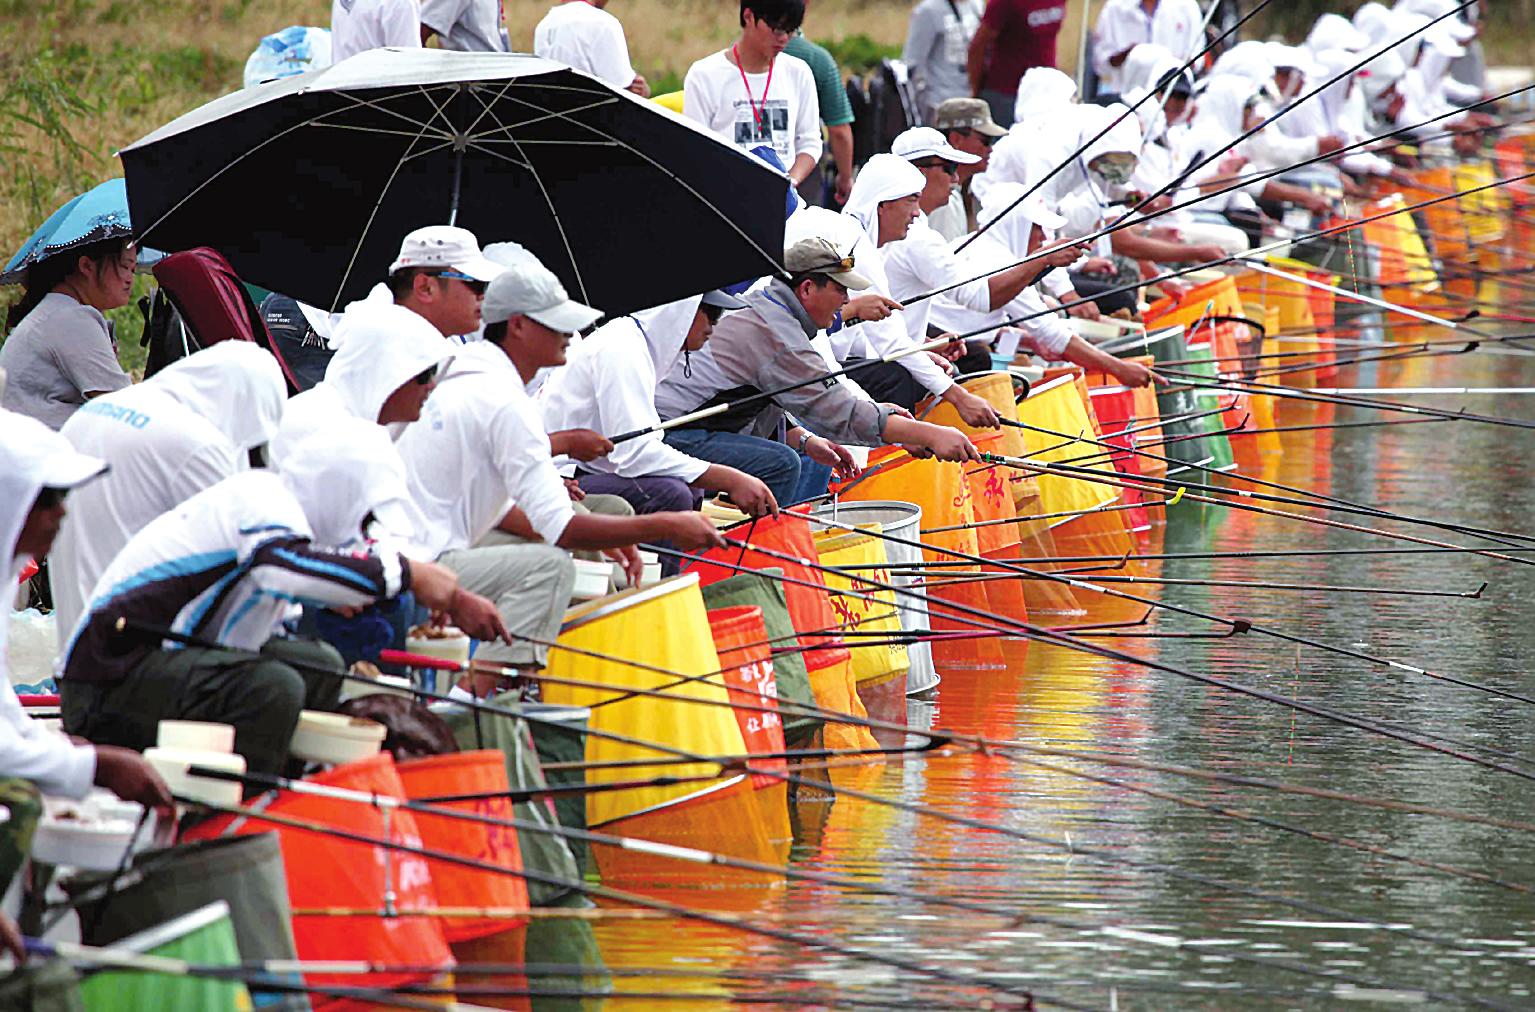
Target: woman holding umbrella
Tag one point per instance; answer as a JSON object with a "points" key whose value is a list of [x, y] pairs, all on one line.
{"points": [[60, 352]]}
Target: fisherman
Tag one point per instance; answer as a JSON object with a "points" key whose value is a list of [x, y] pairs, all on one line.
{"points": [[608, 384], [481, 467], [38, 469], [884, 203], [749, 95], [583, 35], [937, 48], [440, 275], [224, 566], [967, 126], [186, 428], [1019, 226], [767, 347]]}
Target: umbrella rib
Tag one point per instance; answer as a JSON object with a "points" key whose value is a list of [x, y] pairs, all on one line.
{"points": [[570, 254], [658, 167], [485, 107], [365, 103], [357, 249], [493, 154], [502, 128]]}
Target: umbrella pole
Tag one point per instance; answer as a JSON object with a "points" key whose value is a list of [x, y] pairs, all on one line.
{"points": [[458, 178]]}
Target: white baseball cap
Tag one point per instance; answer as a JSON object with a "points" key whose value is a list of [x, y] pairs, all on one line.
{"points": [[530, 289], [925, 142], [447, 247]]}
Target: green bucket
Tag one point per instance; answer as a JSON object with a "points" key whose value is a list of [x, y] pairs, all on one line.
{"points": [[205, 936]]}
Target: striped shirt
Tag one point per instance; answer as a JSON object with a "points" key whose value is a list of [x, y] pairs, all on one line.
{"points": [[226, 565]]}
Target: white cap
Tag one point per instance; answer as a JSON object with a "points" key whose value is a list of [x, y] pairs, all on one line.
{"points": [[925, 142], [530, 289], [446, 247]]}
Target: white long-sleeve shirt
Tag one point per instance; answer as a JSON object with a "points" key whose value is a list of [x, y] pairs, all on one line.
{"points": [[33, 752], [924, 262], [1174, 24], [479, 449], [608, 385]]}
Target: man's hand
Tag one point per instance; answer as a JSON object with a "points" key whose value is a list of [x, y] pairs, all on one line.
{"points": [[1099, 265], [751, 495], [1204, 253], [1329, 144], [954, 350], [690, 531], [628, 559], [833, 455], [896, 409], [581, 444], [574, 490], [1083, 310], [1063, 255], [126, 773], [1230, 164], [940, 361], [1133, 374], [951, 444], [477, 616], [872, 306], [1315, 203], [640, 86], [974, 410], [844, 188]]}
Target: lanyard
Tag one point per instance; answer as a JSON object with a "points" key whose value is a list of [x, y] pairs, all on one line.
{"points": [[751, 101]]}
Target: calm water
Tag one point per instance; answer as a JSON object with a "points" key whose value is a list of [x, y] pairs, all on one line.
{"points": [[1160, 866]]}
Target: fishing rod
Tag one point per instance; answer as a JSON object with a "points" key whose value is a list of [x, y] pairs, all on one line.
{"points": [[1471, 595], [1315, 502], [1246, 626], [1125, 222], [1170, 78]]}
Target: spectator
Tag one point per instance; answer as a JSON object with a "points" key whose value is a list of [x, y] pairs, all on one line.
{"points": [[1014, 36], [469, 26], [732, 92], [937, 50], [1125, 24], [836, 111], [584, 35], [357, 26], [61, 352]]}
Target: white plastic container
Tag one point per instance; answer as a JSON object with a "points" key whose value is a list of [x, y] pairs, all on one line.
{"points": [[197, 735], [74, 835], [383, 685], [172, 763], [593, 580], [454, 647], [335, 738]]}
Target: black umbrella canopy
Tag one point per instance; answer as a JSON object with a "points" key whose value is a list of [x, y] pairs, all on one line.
{"points": [[308, 184]]}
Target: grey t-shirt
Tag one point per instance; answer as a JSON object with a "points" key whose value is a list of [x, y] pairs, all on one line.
{"points": [[60, 352], [937, 45], [469, 26]]}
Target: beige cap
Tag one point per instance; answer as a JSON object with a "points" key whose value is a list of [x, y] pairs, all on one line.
{"points": [[821, 256], [966, 114]]}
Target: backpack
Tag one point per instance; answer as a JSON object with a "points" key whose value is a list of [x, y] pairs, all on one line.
{"points": [[200, 302]]}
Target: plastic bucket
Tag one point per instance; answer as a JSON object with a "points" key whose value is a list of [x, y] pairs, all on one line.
{"points": [[325, 871], [205, 936], [665, 629], [480, 772], [740, 640], [903, 521], [996, 534], [874, 619], [1115, 407], [766, 594]]}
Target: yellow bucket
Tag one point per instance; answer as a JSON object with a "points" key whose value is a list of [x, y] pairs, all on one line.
{"points": [[876, 662]]}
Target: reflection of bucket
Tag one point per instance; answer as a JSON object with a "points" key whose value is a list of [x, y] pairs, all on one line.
{"points": [[809, 607], [482, 772], [324, 871], [903, 521], [1202, 365], [1057, 408], [853, 553], [996, 533], [943, 494], [746, 658], [666, 629]]}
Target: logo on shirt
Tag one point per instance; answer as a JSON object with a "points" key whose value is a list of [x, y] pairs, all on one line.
{"points": [[1046, 16]]}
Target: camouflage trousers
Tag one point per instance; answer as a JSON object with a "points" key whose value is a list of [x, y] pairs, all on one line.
{"points": [[22, 806]]}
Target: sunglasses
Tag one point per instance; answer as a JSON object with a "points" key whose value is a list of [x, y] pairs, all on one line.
{"points": [[427, 376], [475, 285], [951, 168]]}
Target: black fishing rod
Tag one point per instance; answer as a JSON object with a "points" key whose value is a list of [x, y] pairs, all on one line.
{"points": [[1316, 502], [976, 576]]}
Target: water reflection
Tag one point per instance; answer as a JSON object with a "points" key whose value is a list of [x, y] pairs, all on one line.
{"points": [[1160, 864]]}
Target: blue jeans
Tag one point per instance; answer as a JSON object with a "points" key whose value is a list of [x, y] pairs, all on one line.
{"points": [[813, 479], [774, 463]]}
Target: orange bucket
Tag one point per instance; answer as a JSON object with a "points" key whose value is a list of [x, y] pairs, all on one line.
{"points": [[480, 772], [940, 488], [325, 871], [747, 660], [991, 500], [1115, 409]]}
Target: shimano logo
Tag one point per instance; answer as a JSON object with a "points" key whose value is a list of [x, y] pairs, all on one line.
{"points": [[117, 412], [1047, 16]]}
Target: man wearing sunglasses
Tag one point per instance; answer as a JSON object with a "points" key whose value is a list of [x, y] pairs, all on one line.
{"points": [[441, 275], [967, 126]]}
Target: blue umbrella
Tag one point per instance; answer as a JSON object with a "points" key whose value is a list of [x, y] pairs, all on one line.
{"points": [[99, 213]]}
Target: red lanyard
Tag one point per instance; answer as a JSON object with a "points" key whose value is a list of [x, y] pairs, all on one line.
{"points": [[756, 116]]}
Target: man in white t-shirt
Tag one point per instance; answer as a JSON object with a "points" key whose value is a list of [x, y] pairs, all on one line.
{"points": [[753, 96], [357, 26], [584, 35], [469, 26]]}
